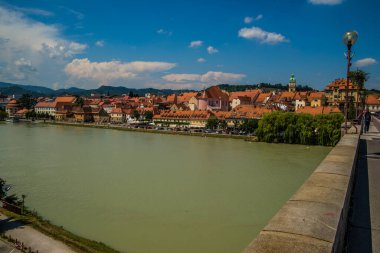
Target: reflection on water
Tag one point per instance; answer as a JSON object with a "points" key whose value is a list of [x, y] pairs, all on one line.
{"points": [[144, 193]]}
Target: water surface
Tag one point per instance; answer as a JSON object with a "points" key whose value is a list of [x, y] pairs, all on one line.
{"points": [[144, 193]]}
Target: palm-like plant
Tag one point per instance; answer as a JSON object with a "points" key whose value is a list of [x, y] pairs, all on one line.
{"points": [[358, 78]]}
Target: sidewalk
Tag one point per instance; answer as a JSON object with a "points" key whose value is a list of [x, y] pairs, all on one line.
{"points": [[30, 237], [364, 223]]}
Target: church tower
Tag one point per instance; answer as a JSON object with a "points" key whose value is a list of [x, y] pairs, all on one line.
{"points": [[292, 83]]}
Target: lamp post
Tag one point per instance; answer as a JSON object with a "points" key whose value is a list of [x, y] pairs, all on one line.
{"points": [[349, 38]]}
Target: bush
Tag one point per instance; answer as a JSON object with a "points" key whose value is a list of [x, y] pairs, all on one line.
{"points": [[293, 128]]}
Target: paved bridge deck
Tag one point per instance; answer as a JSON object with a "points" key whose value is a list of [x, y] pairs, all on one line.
{"points": [[364, 222]]}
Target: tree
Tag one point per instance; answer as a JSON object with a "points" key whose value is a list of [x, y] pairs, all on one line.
{"points": [[79, 102], [136, 115], [3, 115], [26, 101], [351, 110], [222, 124], [358, 78], [148, 115], [212, 123]]}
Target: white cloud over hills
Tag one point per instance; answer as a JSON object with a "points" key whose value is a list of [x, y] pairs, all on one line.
{"points": [[209, 77], [105, 72]]}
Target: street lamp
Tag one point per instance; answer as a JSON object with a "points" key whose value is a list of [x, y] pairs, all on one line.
{"points": [[349, 39]]}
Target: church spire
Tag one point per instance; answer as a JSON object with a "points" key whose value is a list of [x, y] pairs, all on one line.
{"points": [[292, 83]]}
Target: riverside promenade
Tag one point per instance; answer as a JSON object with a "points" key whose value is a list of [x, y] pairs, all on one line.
{"points": [[364, 222], [29, 237]]}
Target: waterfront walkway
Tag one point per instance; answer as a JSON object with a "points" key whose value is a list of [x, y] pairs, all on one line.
{"points": [[29, 237], [364, 222]]}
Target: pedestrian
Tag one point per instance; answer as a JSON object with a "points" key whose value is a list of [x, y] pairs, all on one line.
{"points": [[367, 120]]}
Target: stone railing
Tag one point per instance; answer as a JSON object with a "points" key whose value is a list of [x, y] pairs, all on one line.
{"points": [[315, 217]]}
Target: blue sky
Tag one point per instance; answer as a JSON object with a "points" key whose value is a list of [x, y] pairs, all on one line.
{"points": [[184, 44]]}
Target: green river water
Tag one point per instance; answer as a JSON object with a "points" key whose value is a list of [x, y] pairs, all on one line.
{"points": [[144, 193]]}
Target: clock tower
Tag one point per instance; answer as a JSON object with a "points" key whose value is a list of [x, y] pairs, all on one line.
{"points": [[292, 83]]}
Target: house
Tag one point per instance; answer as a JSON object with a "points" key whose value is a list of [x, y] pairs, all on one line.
{"points": [[99, 115], [83, 114], [63, 112], [117, 116], [12, 107], [373, 102], [22, 113], [335, 93], [243, 97], [318, 110], [213, 99], [316, 99], [301, 99], [262, 99], [44, 107]]}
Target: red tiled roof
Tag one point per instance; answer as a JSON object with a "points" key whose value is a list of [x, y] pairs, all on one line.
{"points": [[373, 99], [318, 110], [52, 104]]}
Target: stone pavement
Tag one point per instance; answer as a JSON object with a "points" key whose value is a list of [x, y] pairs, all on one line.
{"points": [[364, 224], [7, 248], [31, 237]]}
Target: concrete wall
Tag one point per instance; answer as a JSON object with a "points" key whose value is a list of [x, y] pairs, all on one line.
{"points": [[315, 217]]}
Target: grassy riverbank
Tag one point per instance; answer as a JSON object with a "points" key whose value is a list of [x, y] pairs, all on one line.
{"points": [[248, 138], [77, 243]]}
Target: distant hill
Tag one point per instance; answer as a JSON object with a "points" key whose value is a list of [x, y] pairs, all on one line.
{"points": [[264, 86], [38, 91]]}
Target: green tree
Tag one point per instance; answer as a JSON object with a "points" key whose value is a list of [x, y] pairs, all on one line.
{"points": [[351, 110], [212, 123], [148, 115], [26, 101], [358, 78], [222, 124], [79, 102], [3, 115], [136, 115]]}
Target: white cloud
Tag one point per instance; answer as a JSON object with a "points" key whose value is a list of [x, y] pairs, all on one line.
{"points": [[100, 43], [256, 33], [209, 77], [212, 50], [164, 32], [25, 40], [196, 43], [365, 62], [249, 20], [201, 60], [326, 2], [173, 86], [105, 72], [34, 11]]}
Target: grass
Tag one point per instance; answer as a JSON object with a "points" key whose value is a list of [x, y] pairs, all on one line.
{"points": [[77, 243]]}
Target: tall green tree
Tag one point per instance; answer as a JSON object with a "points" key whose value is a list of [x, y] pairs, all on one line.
{"points": [[26, 101], [3, 115], [148, 115], [136, 115], [212, 123], [358, 78]]}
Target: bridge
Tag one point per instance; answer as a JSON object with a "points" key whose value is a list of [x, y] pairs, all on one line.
{"points": [[337, 209]]}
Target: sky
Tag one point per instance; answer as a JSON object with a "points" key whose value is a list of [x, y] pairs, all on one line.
{"points": [[185, 44]]}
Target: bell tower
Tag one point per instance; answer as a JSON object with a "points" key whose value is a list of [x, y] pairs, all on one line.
{"points": [[292, 83]]}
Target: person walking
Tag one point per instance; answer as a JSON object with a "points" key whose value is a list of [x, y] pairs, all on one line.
{"points": [[367, 120]]}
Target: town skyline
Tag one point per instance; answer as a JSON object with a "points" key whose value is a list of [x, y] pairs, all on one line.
{"points": [[64, 44]]}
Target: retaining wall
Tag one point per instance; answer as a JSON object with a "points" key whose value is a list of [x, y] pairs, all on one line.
{"points": [[315, 217]]}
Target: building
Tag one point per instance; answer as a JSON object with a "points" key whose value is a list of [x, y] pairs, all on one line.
{"points": [[335, 93], [183, 118], [43, 107], [318, 110], [247, 97], [213, 99], [316, 99], [12, 107], [373, 102], [292, 83]]}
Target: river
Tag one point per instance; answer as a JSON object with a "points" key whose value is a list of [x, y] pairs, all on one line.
{"points": [[144, 193]]}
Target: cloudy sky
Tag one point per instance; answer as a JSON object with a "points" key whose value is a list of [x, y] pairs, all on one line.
{"points": [[184, 44]]}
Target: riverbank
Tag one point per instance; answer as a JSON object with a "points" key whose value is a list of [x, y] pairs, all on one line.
{"points": [[42, 236], [143, 130]]}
